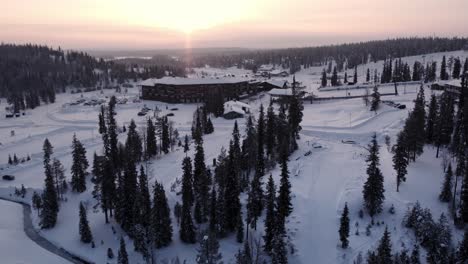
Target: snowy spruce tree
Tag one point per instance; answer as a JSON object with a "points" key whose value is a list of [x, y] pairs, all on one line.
{"points": [[431, 119], [400, 159], [208, 251], [270, 218], [344, 227], [50, 206], [161, 227], [85, 232], [133, 147], [375, 100], [151, 144], [446, 192], [284, 192], [462, 251], [384, 250], [201, 185], [79, 166], [373, 188], [122, 257], [295, 115], [187, 229]]}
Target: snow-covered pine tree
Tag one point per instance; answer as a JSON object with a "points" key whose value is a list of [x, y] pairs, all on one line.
{"points": [[209, 128], [415, 258], [464, 195], [133, 147], [58, 172], [122, 257], [151, 145], [284, 193], [344, 227], [240, 227], [208, 251], [213, 226], [444, 122], [127, 194], [295, 115], [187, 230], [270, 140], [249, 147], [334, 78], [144, 203], [443, 70], [79, 166], [260, 166], [279, 252], [431, 119], [270, 218], [232, 204], [375, 102], [50, 206], [384, 250], [37, 202], [201, 185], [446, 191], [355, 75], [456, 68], [161, 227], [462, 251], [400, 159], [324, 78], [186, 144], [85, 232], [165, 138], [373, 191]]}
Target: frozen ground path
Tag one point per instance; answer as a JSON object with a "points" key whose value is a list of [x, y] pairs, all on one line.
{"points": [[17, 239]]}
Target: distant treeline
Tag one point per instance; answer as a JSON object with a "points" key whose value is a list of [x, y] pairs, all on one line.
{"points": [[33, 74], [345, 55]]}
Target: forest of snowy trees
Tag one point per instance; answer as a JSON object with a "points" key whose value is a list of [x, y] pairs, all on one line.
{"points": [[33, 74], [445, 127], [348, 55]]}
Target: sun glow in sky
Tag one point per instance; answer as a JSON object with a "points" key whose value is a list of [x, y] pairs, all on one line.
{"points": [[148, 24]]}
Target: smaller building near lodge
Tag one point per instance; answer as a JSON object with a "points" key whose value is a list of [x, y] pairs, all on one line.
{"points": [[194, 90], [235, 109], [452, 86]]}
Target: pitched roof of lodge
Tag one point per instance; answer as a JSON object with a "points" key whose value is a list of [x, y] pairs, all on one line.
{"points": [[192, 81]]}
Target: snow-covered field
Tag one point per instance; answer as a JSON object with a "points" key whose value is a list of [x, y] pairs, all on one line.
{"points": [[15, 246], [321, 182]]}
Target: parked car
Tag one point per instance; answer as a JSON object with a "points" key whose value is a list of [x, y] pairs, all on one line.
{"points": [[170, 114], [8, 177], [141, 113], [402, 106]]}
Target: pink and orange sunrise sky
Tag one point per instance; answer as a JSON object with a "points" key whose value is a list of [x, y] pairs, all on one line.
{"points": [[152, 24]]}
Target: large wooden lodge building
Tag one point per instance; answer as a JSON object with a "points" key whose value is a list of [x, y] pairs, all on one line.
{"points": [[193, 90]]}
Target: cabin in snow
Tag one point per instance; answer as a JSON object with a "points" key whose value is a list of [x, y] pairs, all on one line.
{"points": [[235, 109], [453, 86], [194, 90]]}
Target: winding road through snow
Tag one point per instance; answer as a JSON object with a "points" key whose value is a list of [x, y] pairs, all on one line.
{"points": [[7, 225]]}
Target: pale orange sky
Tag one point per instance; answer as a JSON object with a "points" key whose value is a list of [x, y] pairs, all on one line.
{"points": [[152, 24]]}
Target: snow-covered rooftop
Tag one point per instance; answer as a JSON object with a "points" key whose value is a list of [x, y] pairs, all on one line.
{"points": [[190, 81], [236, 106], [279, 92], [278, 83]]}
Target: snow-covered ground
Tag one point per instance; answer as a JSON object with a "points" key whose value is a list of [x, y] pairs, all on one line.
{"points": [[321, 182], [15, 246]]}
